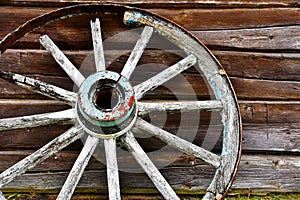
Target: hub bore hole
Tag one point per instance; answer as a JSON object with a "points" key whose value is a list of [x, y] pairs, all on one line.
{"points": [[106, 98]]}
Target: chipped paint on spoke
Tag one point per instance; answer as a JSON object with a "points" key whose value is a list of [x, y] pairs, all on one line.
{"points": [[2, 196], [40, 155], [164, 76], [137, 52], [62, 60], [78, 168], [112, 169], [144, 161], [60, 117], [98, 45], [178, 143], [40, 87], [178, 106]]}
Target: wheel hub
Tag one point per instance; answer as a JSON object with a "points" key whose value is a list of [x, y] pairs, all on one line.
{"points": [[106, 106]]}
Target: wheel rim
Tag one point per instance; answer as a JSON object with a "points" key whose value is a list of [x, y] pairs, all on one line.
{"points": [[197, 55]]}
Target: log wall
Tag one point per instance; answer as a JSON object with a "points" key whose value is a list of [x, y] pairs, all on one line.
{"points": [[258, 44]]}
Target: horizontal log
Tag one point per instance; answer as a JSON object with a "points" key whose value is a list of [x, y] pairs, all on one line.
{"points": [[211, 19], [162, 3], [256, 172], [283, 138], [183, 87], [272, 39], [256, 138], [254, 112], [267, 126], [265, 89], [272, 66], [263, 29], [271, 138], [256, 39]]}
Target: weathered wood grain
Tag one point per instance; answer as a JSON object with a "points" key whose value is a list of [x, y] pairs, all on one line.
{"points": [[272, 138], [256, 139], [30, 121], [164, 76], [268, 81], [271, 27], [178, 107], [258, 39], [283, 137], [113, 180], [137, 52], [273, 172], [149, 168], [275, 66], [97, 44], [270, 112], [177, 143], [40, 155], [17, 108], [78, 168], [251, 89], [40, 87], [268, 126], [211, 19], [272, 66], [273, 39], [62, 60]]}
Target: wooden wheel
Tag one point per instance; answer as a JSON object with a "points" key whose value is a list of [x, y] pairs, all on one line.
{"points": [[109, 109]]}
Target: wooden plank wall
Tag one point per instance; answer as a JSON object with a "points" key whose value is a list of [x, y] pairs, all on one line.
{"points": [[257, 42]]}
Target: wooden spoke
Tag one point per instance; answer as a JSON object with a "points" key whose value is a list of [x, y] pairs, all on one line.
{"points": [[78, 168], [98, 46], [179, 106], [164, 76], [62, 60], [2, 196], [112, 169], [137, 52], [178, 143], [40, 87], [40, 155], [61, 117], [141, 157]]}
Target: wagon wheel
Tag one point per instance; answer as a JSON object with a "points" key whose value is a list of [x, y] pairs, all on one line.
{"points": [[108, 108]]}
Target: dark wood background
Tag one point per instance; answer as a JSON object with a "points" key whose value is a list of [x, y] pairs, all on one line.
{"points": [[257, 42]]}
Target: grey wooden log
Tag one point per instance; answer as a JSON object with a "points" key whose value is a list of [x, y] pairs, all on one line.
{"points": [[60, 117], [98, 46], [141, 157], [78, 168], [112, 169], [62, 60], [40, 155], [40, 87], [164, 76], [137, 52]]}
